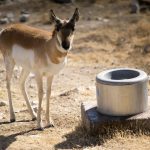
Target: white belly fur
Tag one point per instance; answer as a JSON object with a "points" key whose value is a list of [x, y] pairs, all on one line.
{"points": [[25, 58]]}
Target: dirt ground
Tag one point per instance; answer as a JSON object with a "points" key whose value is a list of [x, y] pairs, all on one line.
{"points": [[107, 36]]}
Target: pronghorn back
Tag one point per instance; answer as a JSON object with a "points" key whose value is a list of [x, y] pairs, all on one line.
{"points": [[23, 35]]}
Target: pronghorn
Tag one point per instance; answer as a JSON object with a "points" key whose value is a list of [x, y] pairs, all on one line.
{"points": [[37, 51]]}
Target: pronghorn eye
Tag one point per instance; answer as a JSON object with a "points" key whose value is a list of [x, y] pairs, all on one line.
{"points": [[58, 27], [73, 29]]}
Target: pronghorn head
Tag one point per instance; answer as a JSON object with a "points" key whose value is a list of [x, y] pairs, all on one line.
{"points": [[64, 29]]}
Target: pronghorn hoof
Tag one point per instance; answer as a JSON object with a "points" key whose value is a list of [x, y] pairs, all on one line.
{"points": [[40, 128], [49, 125], [33, 119], [12, 120]]}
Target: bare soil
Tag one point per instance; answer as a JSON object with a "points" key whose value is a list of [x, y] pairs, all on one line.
{"points": [[107, 36]]}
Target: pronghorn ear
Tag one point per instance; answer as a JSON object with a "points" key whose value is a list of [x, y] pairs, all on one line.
{"points": [[54, 18], [75, 16]]}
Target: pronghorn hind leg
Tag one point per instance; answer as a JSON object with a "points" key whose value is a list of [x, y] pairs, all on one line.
{"points": [[23, 77], [49, 121], [39, 81], [9, 63]]}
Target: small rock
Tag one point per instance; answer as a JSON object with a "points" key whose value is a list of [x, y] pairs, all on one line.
{"points": [[3, 103], [146, 49], [24, 17], [2, 70], [99, 18], [1, 115], [67, 93], [64, 94], [112, 63], [11, 17], [63, 1], [91, 88], [4, 20], [24, 11]]}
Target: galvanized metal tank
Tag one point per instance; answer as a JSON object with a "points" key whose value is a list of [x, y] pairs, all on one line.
{"points": [[122, 92]]}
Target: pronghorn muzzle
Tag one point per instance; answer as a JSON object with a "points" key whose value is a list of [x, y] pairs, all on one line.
{"points": [[66, 45]]}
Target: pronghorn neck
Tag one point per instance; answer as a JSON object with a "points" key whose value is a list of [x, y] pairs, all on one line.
{"points": [[54, 53]]}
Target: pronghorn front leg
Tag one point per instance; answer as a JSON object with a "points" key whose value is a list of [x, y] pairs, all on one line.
{"points": [[9, 71], [39, 81], [49, 122], [23, 77]]}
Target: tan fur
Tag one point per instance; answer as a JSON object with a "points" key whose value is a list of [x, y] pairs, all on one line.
{"points": [[31, 38]]}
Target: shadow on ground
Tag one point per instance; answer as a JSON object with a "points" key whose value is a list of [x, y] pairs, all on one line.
{"points": [[8, 122], [79, 138], [7, 140]]}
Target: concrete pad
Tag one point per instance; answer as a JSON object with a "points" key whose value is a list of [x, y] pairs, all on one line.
{"points": [[95, 122]]}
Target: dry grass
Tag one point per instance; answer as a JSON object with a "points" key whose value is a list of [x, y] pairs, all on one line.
{"points": [[116, 42]]}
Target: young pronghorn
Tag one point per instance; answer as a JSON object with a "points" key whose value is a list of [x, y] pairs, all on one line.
{"points": [[37, 51]]}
